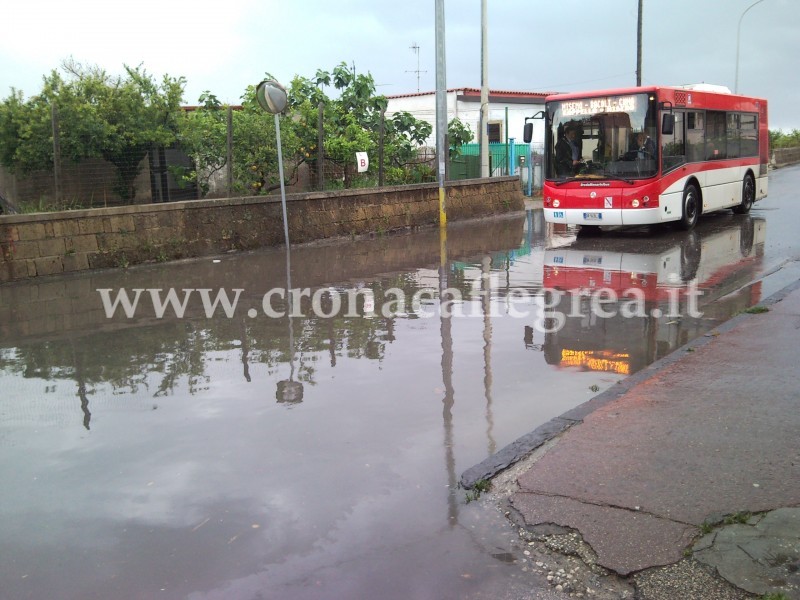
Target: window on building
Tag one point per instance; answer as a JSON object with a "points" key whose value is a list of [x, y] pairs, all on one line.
{"points": [[495, 131]]}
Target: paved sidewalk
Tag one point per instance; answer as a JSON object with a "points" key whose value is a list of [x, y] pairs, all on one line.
{"points": [[697, 451]]}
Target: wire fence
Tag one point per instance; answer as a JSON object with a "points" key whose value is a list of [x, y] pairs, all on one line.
{"points": [[239, 167]]}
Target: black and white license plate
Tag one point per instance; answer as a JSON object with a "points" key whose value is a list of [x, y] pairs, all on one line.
{"points": [[593, 216]]}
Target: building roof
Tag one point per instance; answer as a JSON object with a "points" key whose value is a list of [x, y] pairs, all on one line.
{"points": [[476, 92]]}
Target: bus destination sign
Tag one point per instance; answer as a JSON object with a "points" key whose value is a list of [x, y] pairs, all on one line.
{"points": [[592, 106]]}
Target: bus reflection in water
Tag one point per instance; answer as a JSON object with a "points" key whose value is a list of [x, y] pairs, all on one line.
{"points": [[718, 262]]}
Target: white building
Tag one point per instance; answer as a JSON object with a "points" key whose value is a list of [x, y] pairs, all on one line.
{"points": [[465, 103]]}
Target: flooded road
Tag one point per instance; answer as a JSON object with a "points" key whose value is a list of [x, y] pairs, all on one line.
{"points": [[314, 450]]}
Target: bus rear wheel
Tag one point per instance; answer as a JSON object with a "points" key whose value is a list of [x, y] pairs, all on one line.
{"points": [[748, 196], [691, 207]]}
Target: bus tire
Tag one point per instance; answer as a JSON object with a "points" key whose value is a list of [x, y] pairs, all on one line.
{"points": [[691, 207], [748, 196]]}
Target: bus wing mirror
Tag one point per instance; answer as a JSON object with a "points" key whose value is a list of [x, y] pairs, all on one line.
{"points": [[668, 124], [527, 133]]}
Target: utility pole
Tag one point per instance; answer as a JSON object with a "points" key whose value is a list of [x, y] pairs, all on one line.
{"points": [[442, 149], [414, 48], [639, 48], [484, 132]]}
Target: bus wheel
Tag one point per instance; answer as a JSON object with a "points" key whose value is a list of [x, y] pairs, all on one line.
{"points": [[748, 196], [691, 207]]}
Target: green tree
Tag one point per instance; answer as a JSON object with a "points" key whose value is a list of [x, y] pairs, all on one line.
{"points": [[117, 118], [351, 124], [458, 134]]}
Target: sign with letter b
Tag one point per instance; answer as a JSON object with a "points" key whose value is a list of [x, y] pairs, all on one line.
{"points": [[362, 160]]}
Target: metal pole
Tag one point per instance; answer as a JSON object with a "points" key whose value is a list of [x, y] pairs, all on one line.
{"points": [[530, 172], [738, 35], [639, 48], [441, 110], [508, 157], [320, 149], [283, 188], [381, 133], [484, 133], [229, 143], [512, 168], [56, 154]]}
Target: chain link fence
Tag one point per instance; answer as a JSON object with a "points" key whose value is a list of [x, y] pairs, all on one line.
{"points": [[241, 165]]}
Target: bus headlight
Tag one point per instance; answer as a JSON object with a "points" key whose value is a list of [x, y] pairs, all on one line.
{"points": [[635, 204], [556, 203]]}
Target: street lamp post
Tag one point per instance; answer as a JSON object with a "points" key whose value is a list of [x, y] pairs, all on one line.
{"points": [[738, 35]]}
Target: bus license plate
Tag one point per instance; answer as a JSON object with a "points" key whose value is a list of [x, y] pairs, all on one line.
{"points": [[593, 216]]}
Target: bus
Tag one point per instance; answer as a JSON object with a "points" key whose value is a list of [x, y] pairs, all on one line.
{"points": [[651, 155]]}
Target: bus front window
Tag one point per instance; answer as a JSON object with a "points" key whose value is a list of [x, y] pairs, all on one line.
{"points": [[602, 137]]}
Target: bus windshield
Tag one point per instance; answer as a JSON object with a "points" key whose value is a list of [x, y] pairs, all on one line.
{"points": [[608, 137]]}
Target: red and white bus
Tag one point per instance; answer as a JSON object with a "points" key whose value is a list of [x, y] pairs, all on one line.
{"points": [[651, 155]]}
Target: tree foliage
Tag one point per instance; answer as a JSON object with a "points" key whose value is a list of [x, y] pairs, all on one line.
{"points": [[116, 118], [352, 117], [781, 139]]}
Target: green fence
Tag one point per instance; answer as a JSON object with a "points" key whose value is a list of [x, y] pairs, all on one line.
{"points": [[498, 159]]}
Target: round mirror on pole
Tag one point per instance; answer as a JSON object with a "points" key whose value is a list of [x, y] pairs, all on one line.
{"points": [[271, 96]]}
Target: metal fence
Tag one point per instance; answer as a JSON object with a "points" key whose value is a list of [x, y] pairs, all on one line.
{"points": [[165, 174], [525, 160]]}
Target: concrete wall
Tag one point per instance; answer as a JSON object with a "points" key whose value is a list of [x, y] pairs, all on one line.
{"points": [[44, 244], [782, 157]]}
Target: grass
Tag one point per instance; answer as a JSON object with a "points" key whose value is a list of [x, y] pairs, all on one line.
{"points": [[775, 596], [756, 310], [740, 517], [481, 486]]}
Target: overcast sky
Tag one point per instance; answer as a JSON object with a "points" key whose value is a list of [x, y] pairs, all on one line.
{"points": [[558, 45]]}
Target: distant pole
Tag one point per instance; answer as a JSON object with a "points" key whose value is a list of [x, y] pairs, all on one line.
{"points": [[484, 133], [320, 148], [639, 47], [229, 144], [738, 35], [56, 154], [441, 110], [381, 134]]}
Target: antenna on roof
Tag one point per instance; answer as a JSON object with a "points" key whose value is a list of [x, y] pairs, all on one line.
{"points": [[415, 48]]}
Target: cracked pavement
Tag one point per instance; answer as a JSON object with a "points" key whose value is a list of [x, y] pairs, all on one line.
{"points": [[708, 432]]}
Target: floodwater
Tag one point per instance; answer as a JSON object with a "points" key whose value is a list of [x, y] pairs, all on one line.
{"points": [[255, 455]]}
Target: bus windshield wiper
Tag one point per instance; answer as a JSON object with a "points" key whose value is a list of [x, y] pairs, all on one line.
{"points": [[612, 177]]}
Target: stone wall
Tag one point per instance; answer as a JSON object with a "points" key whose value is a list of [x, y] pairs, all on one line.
{"points": [[782, 157], [53, 243]]}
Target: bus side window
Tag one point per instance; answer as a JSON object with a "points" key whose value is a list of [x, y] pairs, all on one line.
{"points": [[673, 150], [716, 135], [695, 136]]}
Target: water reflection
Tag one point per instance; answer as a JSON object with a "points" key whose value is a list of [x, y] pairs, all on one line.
{"points": [[150, 456], [678, 284], [185, 483]]}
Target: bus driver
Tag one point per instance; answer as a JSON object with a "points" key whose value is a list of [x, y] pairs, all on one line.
{"points": [[568, 158]]}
